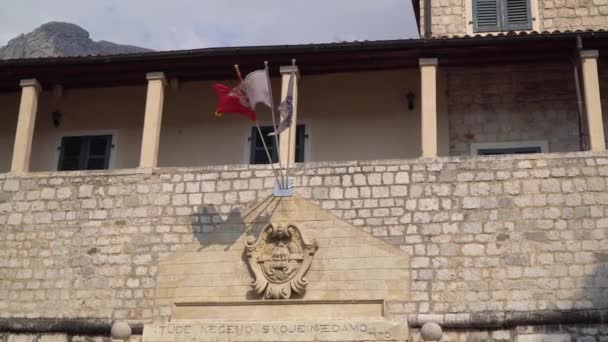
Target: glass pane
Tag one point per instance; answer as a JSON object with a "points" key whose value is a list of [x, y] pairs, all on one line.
{"points": [[300, 141], [98, 146], [509, 150], [96, 164], [69, 164], [71, 146], [260, 156]]}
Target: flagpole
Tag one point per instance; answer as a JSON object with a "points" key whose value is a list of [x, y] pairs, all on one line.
{"points": [[277, 175], [274, 123], [294, 125]]}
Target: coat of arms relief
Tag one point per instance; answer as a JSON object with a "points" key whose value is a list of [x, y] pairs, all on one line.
{"points": [[279, 260]]}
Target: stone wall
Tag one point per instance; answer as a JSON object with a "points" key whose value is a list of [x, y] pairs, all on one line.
{"points": [[513, 103], [454, 17], [573, 15], [561, 333], [492, 234], [448, 18]]}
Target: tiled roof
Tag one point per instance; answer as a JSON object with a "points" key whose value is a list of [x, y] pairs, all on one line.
{"points": [[524, 33]]}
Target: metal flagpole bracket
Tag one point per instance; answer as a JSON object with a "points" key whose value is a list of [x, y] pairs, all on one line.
{"points": [[287, 192]]}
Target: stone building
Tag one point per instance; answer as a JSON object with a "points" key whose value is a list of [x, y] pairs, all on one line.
{"points": [[459, 178]]}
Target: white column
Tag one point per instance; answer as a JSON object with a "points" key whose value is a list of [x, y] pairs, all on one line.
{"points": [[428, 85], [153, 119], [593, 103], [288, 146], [30, 89]]}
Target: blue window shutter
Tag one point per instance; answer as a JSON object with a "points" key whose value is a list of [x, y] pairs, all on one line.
{"points": [[486, 14], [516, 15]]}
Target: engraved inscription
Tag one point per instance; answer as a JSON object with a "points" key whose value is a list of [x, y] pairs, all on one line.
{"points": [[276, 331]]}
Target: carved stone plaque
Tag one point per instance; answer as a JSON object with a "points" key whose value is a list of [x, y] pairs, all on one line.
{"points": [[292, 331], [279, 260]]}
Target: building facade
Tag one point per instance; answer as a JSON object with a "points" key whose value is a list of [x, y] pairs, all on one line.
{"points": [[457, 180]]}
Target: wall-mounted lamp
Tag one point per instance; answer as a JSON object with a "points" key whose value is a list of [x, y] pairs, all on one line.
{"points": [[410, 97], [56, 117], [174, 83], [57, 91]]}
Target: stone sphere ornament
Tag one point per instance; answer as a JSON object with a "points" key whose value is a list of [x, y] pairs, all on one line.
{"points": [[121, 330], [431, 332]]}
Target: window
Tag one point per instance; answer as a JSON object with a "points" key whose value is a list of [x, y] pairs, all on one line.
{"points": [[501, 15], [258, 155], [511, 150], [516, 147], [90, 152]]}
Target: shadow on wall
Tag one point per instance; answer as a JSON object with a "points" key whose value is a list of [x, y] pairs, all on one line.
{"points": [[211, 227], [596, 284]]}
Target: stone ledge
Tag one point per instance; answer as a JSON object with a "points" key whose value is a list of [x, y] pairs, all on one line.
{"points": [[506, 319], [73, 326], [474, 321], [305, 166]]}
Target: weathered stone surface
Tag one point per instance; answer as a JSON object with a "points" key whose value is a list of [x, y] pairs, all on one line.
{"points": [[544, 338], [287, 310], [348, 265], [280, 259], [86, 253], [449, 18], [482, 116], [431, 331], [121, 330]]}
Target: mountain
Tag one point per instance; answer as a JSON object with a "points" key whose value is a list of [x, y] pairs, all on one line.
{"points": [[58, 39]]}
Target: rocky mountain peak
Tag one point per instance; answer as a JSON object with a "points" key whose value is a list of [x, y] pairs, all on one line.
{"points": [[62, 29], [60, 39]]}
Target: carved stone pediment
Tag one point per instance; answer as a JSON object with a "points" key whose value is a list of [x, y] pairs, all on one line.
{"points": [[279, 260]]}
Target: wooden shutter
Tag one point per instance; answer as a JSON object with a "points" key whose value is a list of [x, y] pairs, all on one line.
{"points": [[486, 14], [516, 15], [300, 143]]}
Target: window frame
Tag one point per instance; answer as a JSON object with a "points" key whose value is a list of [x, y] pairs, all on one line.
{"points": [[113, 145], [475, 147], [470, 15], [254, 133], [248, 141]]}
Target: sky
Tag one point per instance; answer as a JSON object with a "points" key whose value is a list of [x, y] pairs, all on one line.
{"points": [[191, 24]]}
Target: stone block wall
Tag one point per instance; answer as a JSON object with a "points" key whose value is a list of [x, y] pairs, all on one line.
{"points": [[573, 15], [449, 17], [561, 333], [513, 103], [485, 235]]}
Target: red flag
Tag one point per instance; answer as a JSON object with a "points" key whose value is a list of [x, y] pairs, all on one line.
{"points": [[233, 101]]}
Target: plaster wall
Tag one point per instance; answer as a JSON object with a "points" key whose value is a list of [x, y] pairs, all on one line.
{"points": [[118, 110], [9, 108], [603, 77], [348, 116], [361, 116]]}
